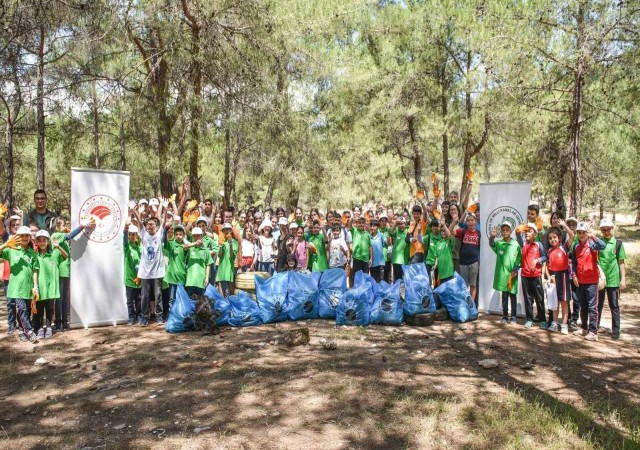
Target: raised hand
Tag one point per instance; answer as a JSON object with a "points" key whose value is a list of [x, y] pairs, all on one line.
{"points": [[132, 204]]}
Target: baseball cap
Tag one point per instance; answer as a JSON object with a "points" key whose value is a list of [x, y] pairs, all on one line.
{"points": [[226, 226], [265, 223], [572, 219], [178, 227], [202, 219], [24, 230], [383, 216], [293, 226], [143, 201], [507, 223], [198, 230], [532, 226], [283, 221], [582, 226], [154, 202], [606, 223], [132, 229], [43, 233]]}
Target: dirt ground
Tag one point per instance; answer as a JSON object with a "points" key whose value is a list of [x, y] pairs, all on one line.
{"points": [[384, 387]]}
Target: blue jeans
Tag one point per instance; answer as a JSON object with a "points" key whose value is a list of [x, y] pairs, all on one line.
{"points": [[11, 313], [23, 306], [265, 267]]}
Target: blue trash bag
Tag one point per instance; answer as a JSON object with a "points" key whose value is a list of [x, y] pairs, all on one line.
{"points": [[454, 295], [302, 299], [353, 308], [244, 311], [333, 284], [272, 296], [387, 305], [179, 319], [220, 304], [362, 278], [418, 296]]}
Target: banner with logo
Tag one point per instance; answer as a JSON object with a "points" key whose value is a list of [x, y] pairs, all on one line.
{"points": [[500, 202], [97, 289]]}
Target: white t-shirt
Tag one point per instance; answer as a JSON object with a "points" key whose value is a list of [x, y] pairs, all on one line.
{"points": [[266, 249], [151, 260], [337, 258]]}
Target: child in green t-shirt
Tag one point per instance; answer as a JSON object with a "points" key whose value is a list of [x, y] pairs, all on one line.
{"points": [[23, 264], [49, 259], [400, 252], [175, 251], [132, 284], [226, 270], [198, 261], [505, 278], [439, 243]]}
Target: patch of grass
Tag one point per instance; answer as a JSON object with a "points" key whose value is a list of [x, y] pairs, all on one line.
{"points": [[628, 232]]}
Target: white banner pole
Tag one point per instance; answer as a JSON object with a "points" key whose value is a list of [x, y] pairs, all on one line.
{"points": [[97, 289], [499, 202]]}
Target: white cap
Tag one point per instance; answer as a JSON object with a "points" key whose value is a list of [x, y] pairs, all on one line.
{"points": [[202, 219], [226, 226], [383, 216], [606, 223], [265, 223], [283, 221], [507, 223], [24, 230], [11, 219], [582, 226], [401, 220], [154, 202], [533, 226], [293, 226], [197, 230], [43, 233], [133, 229], [143, 201], [176, 218], [572, 219], [257, 214]]}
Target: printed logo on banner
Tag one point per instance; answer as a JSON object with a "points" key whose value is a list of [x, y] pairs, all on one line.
{"points": [[107, 216], [503, 214]]}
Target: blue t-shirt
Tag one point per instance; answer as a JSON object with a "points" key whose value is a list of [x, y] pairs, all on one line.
{"points": [[377, 244]]}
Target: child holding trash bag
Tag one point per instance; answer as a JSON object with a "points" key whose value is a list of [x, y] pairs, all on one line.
{"points": [[505, 276], [557, 271]]}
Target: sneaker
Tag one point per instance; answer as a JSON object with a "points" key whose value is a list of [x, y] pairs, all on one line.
{"points": [[564, 329], [503, 321], [580, 332], [144, 323], [615, 336], [513, 321], [160, 322], [32, 337], [11, 331], [49, 333], [22, 337], [553, 326], [132, 322], [41, 333], [528, 324], [601, 329], [573, 325], [544, 325], [591, 337]]}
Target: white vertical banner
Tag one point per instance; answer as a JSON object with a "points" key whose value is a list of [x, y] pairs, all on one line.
{"points": [[499, 202], [97, 289]]}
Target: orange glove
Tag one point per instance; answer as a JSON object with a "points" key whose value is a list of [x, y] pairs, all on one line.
{"points": [[419, 194], [3, 209], [510, 282], [34, 308], [436, 190], [522, 228], [14, 241], [433, 178], [470, 175], [136, 280], [472, 208], [539, 223]]}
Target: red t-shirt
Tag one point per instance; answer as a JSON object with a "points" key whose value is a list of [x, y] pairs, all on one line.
{"points": [[587, 264], [558, 260], [7, 270], [531, 251]]}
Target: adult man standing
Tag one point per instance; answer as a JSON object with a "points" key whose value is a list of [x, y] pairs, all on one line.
{"points": [[41, 216], [611, 259]]}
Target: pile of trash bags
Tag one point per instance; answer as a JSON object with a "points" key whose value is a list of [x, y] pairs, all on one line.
{"points": [[298, 296]]}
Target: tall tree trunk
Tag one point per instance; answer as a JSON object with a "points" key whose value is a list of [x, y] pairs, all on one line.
{"points": [[444, 100], [121, 142], [96, 123], [40, 179], [9, 167], [417, 156], [227, 164], [576, 114]]}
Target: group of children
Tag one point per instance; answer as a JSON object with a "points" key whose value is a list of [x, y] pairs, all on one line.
{"points": [[581, 267], [168, 243]]}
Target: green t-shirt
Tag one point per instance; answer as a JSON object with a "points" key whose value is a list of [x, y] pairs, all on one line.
{"points": [[65, 264], [443, 250], [198, 258], [360, 244], [508, 256], [385, 235], [430, 242], [226, 271], [176, 272], [400, 252], [210, 244], [22, 264], [131, 263], [49, 274], [609, 262], [318, 259]]}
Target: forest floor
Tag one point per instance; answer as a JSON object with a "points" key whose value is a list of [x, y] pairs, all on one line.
{"points": [[384, 387]]}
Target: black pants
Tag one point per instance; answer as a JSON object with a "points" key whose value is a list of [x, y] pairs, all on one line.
{"points": [[434, 282], [397, 272], [133, 303], [166, 303], [576, 304], [387, 272], [588, 297], [63, 306], [508, 297], [613, 296], [532, 291], [358, 266], [44, 315], [193, 290], [151, 291], [377, 273]]}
